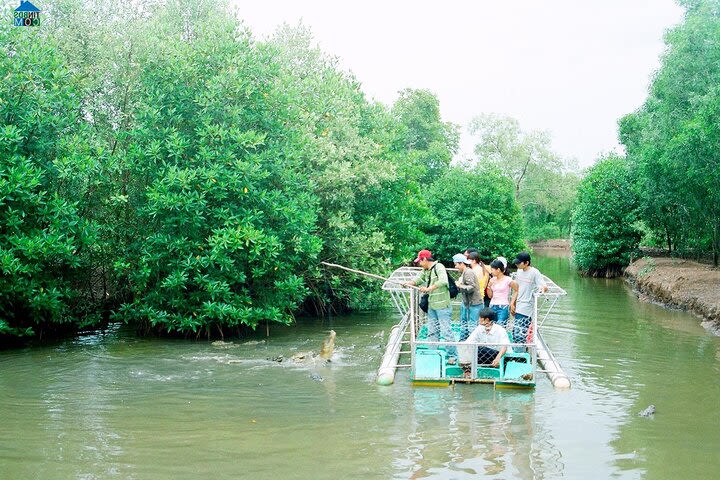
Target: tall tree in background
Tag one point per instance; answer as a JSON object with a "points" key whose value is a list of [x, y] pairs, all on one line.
{"points": [[468, 206], [502, 143], [430, 142], [673, 140], [542, 183]]}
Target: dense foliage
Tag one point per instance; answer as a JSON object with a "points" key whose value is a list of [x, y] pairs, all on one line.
{"points": [[160, 166], [673, 140], [604, 233], [474, 209], [430, 143], [544, 185], [45, 240], [359, 171], [224, 224]]}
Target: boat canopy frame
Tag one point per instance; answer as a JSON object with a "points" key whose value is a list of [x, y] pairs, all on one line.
{"points": [[405, 300]]}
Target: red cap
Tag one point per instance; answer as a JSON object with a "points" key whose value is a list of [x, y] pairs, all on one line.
{"points": [[423, 255]]}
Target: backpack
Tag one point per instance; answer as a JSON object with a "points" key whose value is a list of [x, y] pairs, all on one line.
{"points": [[452, 288]]}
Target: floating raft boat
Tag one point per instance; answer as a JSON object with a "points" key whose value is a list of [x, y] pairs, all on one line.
{"points": [[429, 361]]}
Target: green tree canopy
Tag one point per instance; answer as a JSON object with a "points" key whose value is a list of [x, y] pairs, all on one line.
{"points": [[429, 142], [45, 162], [672, 140], [161, 166], [474, 209], [543, 184], [604, 234]]}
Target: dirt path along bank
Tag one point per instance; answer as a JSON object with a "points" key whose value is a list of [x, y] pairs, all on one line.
{"points": [[679, 283]]}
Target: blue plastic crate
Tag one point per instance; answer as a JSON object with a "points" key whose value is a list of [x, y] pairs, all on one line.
{"points": [[488, 372], [429, 363], [515, 365]]}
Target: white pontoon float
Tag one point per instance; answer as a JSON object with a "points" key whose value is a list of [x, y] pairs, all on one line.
{"points": [[429, 362]]}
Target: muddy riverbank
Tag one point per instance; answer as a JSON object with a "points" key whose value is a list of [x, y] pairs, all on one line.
{"points": [[555, 244], [680, 284]]}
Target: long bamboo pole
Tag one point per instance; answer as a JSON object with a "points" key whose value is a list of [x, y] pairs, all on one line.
{"points": [[334, 265]]}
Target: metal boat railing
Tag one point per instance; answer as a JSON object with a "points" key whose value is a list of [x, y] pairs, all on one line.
{"points": [[413, 318]]}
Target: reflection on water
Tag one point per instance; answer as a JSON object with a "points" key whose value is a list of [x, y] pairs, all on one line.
{"points": [[113, 406], [464, 432]]}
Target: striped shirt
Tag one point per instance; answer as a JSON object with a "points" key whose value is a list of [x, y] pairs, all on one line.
{"points": [[440, 297]]}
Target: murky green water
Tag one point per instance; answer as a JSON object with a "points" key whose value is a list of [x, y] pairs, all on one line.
{"points": [[114, 406]]}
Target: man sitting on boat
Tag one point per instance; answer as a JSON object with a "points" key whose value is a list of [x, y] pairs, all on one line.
{"points": [[490, 333]]}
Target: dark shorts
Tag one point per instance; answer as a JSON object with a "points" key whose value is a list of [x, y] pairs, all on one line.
{"points": [[486, 355]]}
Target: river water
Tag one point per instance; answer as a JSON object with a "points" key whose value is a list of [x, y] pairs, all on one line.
{"points": [[109, 405]]}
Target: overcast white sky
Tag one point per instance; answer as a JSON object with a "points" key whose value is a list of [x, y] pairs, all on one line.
{"points": [[570, 67]]}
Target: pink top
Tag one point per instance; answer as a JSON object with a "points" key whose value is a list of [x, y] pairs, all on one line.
{"points": [[501, 291]]}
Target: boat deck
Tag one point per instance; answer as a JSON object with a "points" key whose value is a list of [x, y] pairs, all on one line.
{"points": [[429, 361]]}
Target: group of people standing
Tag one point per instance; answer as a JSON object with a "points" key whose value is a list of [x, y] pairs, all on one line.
{"points": [[489, 297]]}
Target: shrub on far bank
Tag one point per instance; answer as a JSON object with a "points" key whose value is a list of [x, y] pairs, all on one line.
{"points": [[604, 231], [548, 231]]}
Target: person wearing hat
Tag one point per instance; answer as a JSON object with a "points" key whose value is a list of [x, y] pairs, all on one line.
{"points": [[504, 262], [434, 281], [529, 280], [472, 295]]}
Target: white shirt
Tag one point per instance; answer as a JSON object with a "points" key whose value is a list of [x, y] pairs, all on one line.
{"points": [[497, 336], [528, 282]]}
